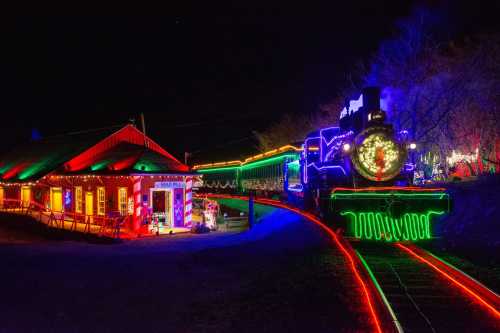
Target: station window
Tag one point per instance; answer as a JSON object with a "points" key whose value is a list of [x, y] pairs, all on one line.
{"points": [[56, 199], [122, 200], [78, 199], [101, 201], [25, 195]]}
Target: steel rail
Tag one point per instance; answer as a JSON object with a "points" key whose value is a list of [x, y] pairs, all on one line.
{"points": [[312, 218]]}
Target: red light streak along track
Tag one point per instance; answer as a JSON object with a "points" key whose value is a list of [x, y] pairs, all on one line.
{"points": [[315, 220], [495, 311]]}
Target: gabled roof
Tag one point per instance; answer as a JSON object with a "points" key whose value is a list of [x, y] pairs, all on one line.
{"points": [[128, 158], [78, 152]]}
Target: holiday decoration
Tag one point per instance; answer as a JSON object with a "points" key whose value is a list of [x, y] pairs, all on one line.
{"points": [[377, 156], [375, 225], [260, 172], [90, 176]]}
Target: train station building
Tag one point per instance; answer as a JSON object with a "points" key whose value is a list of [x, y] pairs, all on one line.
{"points": [[98, 174]]}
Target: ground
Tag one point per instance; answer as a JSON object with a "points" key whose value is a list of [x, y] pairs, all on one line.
{"points": [[473, 226], [284, 275], [469, 237]]}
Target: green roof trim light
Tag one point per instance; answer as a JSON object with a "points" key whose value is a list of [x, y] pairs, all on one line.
{"points": [[267, 161], [99, 165], [218, 169]]}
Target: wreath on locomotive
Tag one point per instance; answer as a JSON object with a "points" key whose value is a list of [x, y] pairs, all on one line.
{"points": [[377, 155]]}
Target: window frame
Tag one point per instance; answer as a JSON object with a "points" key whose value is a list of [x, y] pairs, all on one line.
{"points": [[123, 204], [101, 204], [26, 188], [52, 202], [78, 199]]}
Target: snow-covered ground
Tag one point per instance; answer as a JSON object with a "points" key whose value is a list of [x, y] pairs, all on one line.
{"points": [[282, 275]]}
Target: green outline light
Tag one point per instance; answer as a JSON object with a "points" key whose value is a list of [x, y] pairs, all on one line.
{"points": [[219, 169], [6, 167], [267, 161], [251, 165], [148, 166], [99, 165], [36, 167], [380, 226], [381, 292]]}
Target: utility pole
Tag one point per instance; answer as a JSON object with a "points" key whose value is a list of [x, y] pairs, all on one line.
{"points": [[143, 125], [251, 214]]}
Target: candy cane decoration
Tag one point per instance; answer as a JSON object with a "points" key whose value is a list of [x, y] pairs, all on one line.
{"points": [[137, 199], [189, 201]]}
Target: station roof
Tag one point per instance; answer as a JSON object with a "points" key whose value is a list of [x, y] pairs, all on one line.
{"points": [[114, 150], [126, 158]]}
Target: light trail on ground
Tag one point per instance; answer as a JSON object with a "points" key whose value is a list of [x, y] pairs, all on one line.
{"points": [[310, 217]]}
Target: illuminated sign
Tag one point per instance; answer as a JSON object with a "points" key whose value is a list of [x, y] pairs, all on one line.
{"points": [[169, 184]]}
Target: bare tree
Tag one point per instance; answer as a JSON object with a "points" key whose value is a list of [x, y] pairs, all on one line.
{"points": [[294, 128], [445, 94]]}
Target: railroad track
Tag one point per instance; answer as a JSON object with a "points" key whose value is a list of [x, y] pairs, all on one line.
{"points": [[416, 291], [425, 295]]}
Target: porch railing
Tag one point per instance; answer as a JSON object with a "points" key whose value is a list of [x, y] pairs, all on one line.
{"points": [[102, 226]]}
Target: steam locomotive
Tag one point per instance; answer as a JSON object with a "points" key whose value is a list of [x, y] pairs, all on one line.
{"points": [[357, 174]]}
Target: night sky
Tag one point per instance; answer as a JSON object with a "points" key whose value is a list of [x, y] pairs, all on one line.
{"points": [[205, 78]]}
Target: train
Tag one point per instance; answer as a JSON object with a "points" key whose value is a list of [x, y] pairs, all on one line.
{"points": [[357, 175]]}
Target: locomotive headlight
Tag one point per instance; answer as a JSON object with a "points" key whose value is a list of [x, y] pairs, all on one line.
{"points": [[346, 147], [412, 146]]}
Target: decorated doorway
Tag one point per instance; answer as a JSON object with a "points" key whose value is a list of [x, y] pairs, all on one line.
{"points": [[161, 208]]}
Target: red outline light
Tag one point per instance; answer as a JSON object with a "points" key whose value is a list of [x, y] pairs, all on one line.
{"points": [[315, 220], [124, 163], [15, 170], [495, 311], [389, 188], [128, 134]]}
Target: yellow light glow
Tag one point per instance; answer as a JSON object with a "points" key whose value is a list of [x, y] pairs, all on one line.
{"points": [[272, 152], [250, 159], [378, 144], [218, 164], [378, 157]]}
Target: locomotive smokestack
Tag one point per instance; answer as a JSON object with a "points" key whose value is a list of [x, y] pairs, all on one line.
{"points": [[371, 99], [371, 102]]}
